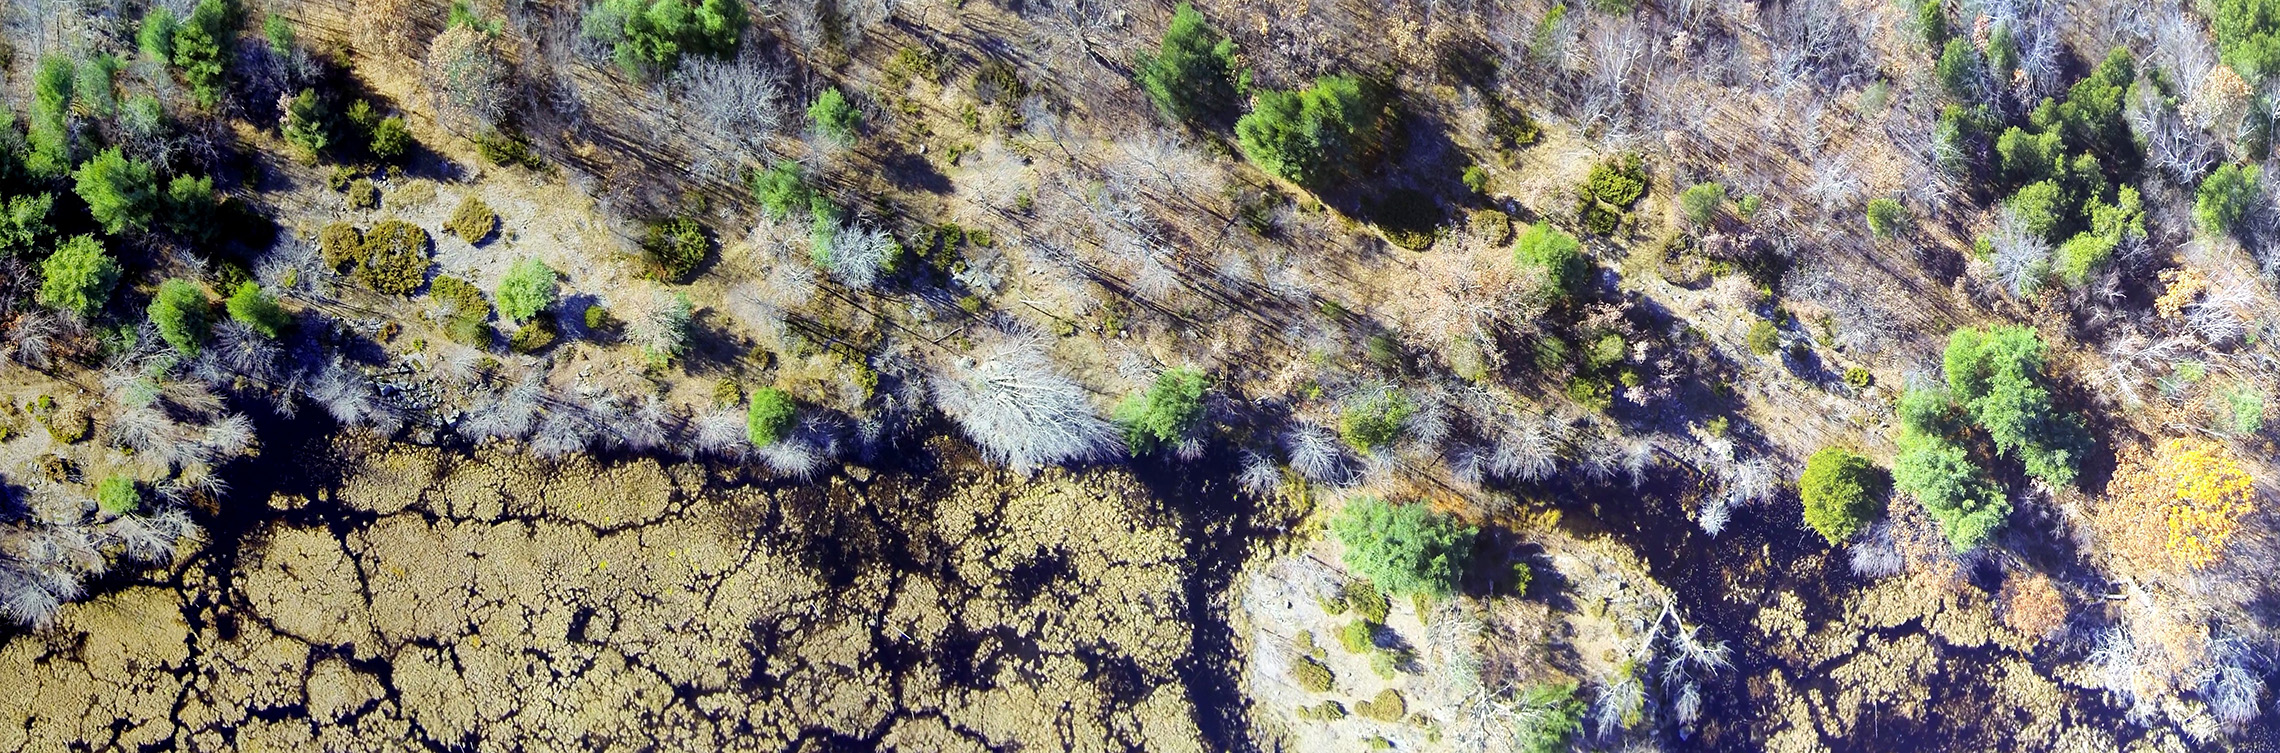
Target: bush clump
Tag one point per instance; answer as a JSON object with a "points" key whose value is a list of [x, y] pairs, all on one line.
{"points": [[203, 45], [180, 312], [1764, 337], [674, 248], [394, 258], [118, 495], [834, 117], [466, 315], [1702, 202], [1409, 218], [78, 277], [1842, 491], [121, 193], [2225, 197], [1166, 412], [1558, 255], [1312, 675], [1886, 218], [1403, 548], [1358, 637], [769, 419], [341, 245], [1609, 192], [1373, 421], [1314, 135], [1996, 375], [533, 336], [529, 288], [648, 37], [1938, 471], [1549, 716], [473, 221], [1191, 76], [1388, 707], [258, 311], [24, 223]]}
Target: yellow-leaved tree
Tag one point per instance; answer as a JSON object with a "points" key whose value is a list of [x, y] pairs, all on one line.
{"points": [[2174, 511]]}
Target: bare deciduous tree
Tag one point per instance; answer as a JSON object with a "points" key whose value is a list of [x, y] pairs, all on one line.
{"points": [[1019, 409]]}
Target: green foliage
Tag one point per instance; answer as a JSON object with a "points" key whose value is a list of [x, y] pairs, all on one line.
{"points": [[528, 288], [1373, 421], [1609, 191], [2111, 225], [391, 139], [1547, 716], [120, 193], [1388, 707], [674, 248], [203, 47], [2248, 34], [503, 149], [1557, 254], [533, 336], [1996, 375], [2090, 117], [2243, 411], [1701, 202], [1475, 179], [648, 37], [1960, 70], [2022, 157], [1358, 637], [117, 495], [1931, 24], [1404, 549], [1954, 491], [463, 15], [78, 277], [834, 117], [780, 190], [1314, 135], [362, 194], [341, 245], [395, 257], [473, 221], [1887, 218], [1859, 378], [308, 123], [770, 418], [1843, 493], [1192, 75], [258, 311], [1764, 337], [1166, 413], [2226, 196], [181, 314], [598, 319], [24, 223], [1366, 600], [92, 87], [279, 31], [49, 133], [1409, 218], [2040, 207], [188, 207], [1312, 675], [155, 37], [466, 316]]}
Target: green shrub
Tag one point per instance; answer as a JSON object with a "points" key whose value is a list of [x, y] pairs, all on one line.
{"points": [[155, 37], [1960, 70], [1365, 599], [2022, 157], [2246, 33], [391, 139], [1859, 378], [1557, 254], [533, 336], [1764, 337], [120, 193], [1387, 707], [1843, 493], [204, 45], [1166, 412], [1191, 76], [2243, 410], [1475, 179], [598, 319], [2110, 226], [308, 124], [278, 29], [1358, 637], [1608, 193], [48, 135], [466, 316], [504, 149], [258, 311], [180, 312], [24, 223], [395, 257], [117, 495], [78, 277], [780, 190], [834, 117], [1957, 494], [528, 288], [1326, 711], [92, 87], [1373, 421], [1549, 715], [1701, 202], [769, 420], [341, 245], [1409, 218], [1314, 135], [2089, 118], [1312, 676], [674, 248], [1591, 393], [362, 194], [189, 207], [1404, 549], [2226, 196], [2040, 207], [1996, 375], [1887, 218], [473, 221], [648, 37]]}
